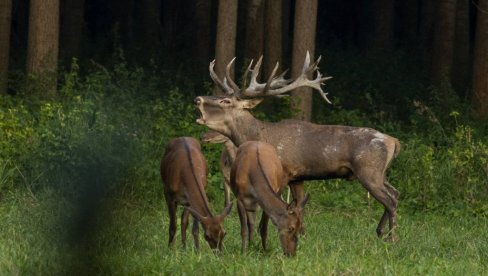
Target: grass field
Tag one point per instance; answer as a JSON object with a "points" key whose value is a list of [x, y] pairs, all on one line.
{"points": [[129, 237]]}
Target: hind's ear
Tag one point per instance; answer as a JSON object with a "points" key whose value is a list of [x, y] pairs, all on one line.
{"points": [[226, 210], [304, 201], [199, 217]]}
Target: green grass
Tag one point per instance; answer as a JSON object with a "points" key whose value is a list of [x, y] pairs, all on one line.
{"points": [[129, 237]]}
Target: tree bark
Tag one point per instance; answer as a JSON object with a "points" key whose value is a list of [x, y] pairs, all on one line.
{"points": [[409, 11], [480, 68], [254, 30], [273, 38], [426, 32], [443, 44], [123, 21], [226, 37], [72, 23], [149, 26], [43, 44], [383, 25], [462, 48], [5, 24], [303, 41], [202, 34]]}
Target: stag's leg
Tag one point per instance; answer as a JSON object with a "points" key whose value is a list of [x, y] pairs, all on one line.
{"points": [[381, 225], [226, 192], [297, 191], [244, 230], [374, 182], [263, 229], [184, 225], [172, 222]]}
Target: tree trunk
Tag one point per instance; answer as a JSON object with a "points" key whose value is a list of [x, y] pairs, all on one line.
{"points": [[409, 11], [383, 25], [303, 41], [273, 38], [169, 13], [462, 47], [286, 29], [72, 23], [43, 44], [443, 44], [5, 23], [426, 31], [480, 68], [202, 34], [123, 21], [226, 37], [254, 30], [149, 26]]}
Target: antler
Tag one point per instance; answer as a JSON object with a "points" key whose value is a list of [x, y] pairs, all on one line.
{"points": [[274, 86]]}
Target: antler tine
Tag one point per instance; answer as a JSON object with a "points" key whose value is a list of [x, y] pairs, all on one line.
{"points": [[246, 73], [227, 87], [306, 63], [270, 78], [314, 66], [216, 79], [255, 72], [232, 84], [280, 80], [300, 81]]}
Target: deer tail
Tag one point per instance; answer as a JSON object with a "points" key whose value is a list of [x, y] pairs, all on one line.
{"points": [[397, 148]]}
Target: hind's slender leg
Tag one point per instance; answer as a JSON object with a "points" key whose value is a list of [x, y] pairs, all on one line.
{"points": [[263, 229], [251, 217], [195, 231], [172, 222], [184, 225], [244, 230]]}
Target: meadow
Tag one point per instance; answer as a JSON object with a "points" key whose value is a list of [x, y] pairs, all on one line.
{"points": [[129, 237], [80, 190]]}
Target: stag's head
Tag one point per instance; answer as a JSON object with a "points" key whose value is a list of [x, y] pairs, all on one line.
{"points": [[291, 226], [214, 232], [218, 111]]}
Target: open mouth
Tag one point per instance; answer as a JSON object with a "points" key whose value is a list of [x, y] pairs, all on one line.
{"points": [[200, 119]]}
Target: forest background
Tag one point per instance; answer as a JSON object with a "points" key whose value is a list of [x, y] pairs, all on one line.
{"points": [[92, 91]]}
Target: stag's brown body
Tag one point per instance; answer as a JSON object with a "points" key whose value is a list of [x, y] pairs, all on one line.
{"points": [[184, 175], [307, 151], [257, 179]]}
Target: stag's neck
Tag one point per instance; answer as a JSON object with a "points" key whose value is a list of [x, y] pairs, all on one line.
{"points": [[247, 128]]}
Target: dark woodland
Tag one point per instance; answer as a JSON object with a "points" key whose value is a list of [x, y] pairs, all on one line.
{"points": [[93, 91]]}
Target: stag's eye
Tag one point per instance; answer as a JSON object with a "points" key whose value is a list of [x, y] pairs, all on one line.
{"points": [[225, 101]]}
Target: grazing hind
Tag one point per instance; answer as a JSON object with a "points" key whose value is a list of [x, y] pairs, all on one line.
{"points": [[184, 175]]}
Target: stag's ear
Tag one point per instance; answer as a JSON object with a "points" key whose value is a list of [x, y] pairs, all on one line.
{"points": [[226, 210], [199, 217], [250, 103], [304, 201]]}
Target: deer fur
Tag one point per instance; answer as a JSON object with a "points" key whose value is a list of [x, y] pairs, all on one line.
{"points": [[184, 175], [257, 179], [307, 151]]}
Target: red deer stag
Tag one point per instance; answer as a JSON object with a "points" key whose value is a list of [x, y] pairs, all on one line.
{"points": [[184, 175], [257, 179], [307, 151], [227, 157]]}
